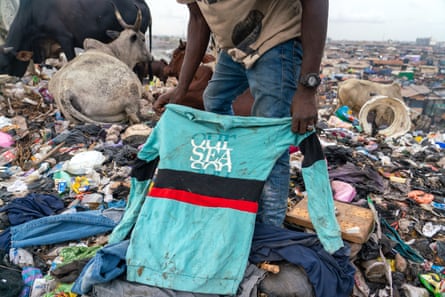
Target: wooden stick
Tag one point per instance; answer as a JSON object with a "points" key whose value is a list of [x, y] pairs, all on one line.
{"points": [[270, 267], [48, 154]]}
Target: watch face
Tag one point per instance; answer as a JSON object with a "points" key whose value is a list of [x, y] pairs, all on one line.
{"points": [[312, 81]]}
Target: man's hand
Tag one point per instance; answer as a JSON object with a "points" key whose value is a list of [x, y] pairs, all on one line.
{"points": [[172, 96], [304, 110], [159, 104]]}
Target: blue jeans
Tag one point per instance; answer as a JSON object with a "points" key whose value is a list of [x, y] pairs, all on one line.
{"points": [[60, 228], [106, 265], [273, 82]]}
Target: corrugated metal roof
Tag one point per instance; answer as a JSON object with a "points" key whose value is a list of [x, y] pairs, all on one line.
{"points": [[413, 90]]}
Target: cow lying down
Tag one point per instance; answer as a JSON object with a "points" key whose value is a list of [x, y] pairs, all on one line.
{"points": [[99, 85]]}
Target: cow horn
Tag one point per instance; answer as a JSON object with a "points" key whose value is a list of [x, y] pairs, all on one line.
{"points": [[138, 22], [120, 19]]}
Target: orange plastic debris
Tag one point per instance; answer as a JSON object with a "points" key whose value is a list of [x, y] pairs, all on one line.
{"points": [[420, 196]]}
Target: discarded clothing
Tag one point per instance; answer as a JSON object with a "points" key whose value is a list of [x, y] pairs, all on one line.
{"points": [[290, 281], [60, 228], [68, 273], [365, 180], [118, 287], [29, 275], [320, 198], [11, 283], [330, 275], [209, 171], [31, 207], [136, 198], [73, 253], [405, 250], [106, 265], [5, 240], [101, 273]]}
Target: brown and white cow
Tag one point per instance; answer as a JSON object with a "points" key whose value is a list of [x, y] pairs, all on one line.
{"points": [[242, 105]]}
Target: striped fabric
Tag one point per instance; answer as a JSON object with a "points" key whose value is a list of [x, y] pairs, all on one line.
{"points": [[194, 229]]}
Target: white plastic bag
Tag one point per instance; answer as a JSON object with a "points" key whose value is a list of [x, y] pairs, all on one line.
{"points": [[83, 162]]}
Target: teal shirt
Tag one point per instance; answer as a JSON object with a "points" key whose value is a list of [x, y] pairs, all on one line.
{"points": [[194, 229]]}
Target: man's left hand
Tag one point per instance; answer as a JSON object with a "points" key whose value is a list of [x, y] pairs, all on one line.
{"points": [[304, 110]]}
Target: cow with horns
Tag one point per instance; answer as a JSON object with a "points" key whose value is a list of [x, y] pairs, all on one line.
{"points": [[67, 23]]}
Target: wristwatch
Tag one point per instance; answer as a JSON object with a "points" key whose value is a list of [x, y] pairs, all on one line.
{"points": [[310, 80]]}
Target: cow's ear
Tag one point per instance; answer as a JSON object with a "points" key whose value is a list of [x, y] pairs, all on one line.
{"points": [[24, 56], [112, 34], [181, 44]]}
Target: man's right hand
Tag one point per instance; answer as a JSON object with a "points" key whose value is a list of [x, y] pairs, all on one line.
{"points": [[172, 96], [159, 104]]}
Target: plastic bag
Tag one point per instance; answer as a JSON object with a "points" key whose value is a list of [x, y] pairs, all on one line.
{"points": [[83, 162]]}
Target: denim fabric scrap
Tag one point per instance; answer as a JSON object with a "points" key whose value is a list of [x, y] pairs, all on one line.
{"points": [[106, 265], [101, 272], [5, 240], [60, 228]]}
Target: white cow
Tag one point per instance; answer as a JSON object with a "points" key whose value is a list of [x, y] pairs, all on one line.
{"points": [[99, 86], [356, 92]]}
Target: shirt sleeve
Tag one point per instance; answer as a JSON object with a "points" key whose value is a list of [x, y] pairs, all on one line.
{"points": [[320, 199], [150, 149]]}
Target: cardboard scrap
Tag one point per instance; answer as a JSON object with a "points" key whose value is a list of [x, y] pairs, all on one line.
{"points": [[356, 223]]}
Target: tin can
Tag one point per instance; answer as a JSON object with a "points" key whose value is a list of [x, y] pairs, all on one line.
{"points": [[61, 185]]}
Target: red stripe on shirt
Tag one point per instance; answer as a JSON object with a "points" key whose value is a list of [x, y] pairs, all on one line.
{"points": [[202, 200]]}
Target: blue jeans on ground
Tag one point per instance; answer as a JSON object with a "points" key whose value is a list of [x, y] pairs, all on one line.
{"points": [[273, 82], [60, 228]]}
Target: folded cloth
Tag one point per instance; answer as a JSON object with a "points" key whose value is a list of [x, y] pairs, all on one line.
{"points": [[68, 273], [330, 275], [11, 282], [106, 265]]}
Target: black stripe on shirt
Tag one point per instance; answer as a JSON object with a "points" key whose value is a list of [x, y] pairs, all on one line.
{"points": [[311, 149], [209, 185]]}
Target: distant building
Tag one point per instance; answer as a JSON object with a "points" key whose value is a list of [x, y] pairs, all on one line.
{"points": [[427, 41]]}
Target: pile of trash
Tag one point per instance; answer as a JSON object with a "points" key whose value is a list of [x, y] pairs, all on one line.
{"points": [[64, 187]]}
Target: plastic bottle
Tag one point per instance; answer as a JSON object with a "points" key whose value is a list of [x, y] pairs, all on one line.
{"points": [[345, 114]]}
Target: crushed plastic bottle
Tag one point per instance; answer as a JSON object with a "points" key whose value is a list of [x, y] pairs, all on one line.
{"points": [[345, 114]]}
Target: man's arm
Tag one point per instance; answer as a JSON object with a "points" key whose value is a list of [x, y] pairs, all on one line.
{"points": [[198, 35], [313, 37]]}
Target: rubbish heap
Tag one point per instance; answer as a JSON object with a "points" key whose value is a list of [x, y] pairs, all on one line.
{"points": [[64, 187]]}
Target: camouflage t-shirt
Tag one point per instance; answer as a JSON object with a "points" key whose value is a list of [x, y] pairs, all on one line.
{"points": [[248, 28]]}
